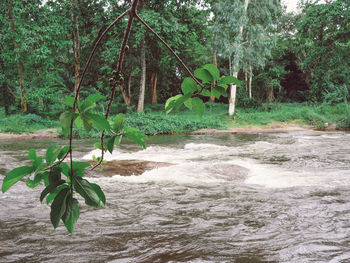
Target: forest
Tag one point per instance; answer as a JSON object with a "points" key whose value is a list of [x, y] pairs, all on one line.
{"points": [[291, 65]]}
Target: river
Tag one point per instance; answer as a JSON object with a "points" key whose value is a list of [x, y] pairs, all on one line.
{"points": [[225, 198]]}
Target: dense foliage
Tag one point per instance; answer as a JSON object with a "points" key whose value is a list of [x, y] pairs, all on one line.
{"points": [[279, 56]]}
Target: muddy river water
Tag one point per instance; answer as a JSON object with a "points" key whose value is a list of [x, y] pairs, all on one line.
{"points": [[225, 198]]}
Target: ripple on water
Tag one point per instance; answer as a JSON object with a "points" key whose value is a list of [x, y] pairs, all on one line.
{"points": [[226, 199]]}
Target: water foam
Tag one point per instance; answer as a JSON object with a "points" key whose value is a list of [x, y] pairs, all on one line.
{"points": [[193, 164]]}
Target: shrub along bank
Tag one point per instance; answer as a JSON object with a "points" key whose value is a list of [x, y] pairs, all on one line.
{"points": [[155, 121]]}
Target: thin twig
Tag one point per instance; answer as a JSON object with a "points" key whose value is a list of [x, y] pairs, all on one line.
{"points": [[78, 90], [94, 51], [71, 155], [170, 49], [117, 76], [58, 163]]}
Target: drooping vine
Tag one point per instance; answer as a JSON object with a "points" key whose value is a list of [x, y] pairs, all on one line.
{"points": [[63, 179]]}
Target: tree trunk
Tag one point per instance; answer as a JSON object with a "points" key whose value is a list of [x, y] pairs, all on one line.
{"points": [[233, 88], [5, 98], [250, 81], [270, 95], [19, 63], [140, 106], [154, 80], [129, 84], [76, 44], [126, 96], [246, 77], [212, 98]]}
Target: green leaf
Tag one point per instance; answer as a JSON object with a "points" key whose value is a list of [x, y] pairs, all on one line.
{"points": [[99, 192], [198, 106], [40, 169], [203, 75], [70, 217], [218, 92], [52, 195], [213, 70], [169, 104], [110, 143], [62, 152], [87, 122], [188, 86], [84, 188], [65, 169], [118, 140], [230, 80], [14, 176], [55, 174], [93, 98], [69, 101], [188, 103], [205, 93], [181, 100], [97, 145], [99, 122], [32, 183], [32, 154], [224, 86], [50, 188], [50, 154], [79, 168], [78, 122], [58, 207], [65, 119], [118, 122], [90, 101], [37, 162], [136, 136]]}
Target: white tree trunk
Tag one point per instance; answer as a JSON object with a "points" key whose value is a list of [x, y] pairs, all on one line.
{"points": [[233, 88], [250, 81], [232, 101], [140, 106]]}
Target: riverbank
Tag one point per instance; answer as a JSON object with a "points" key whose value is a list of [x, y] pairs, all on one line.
{"points": [[275, 127], [39, 134], [269, 118]]}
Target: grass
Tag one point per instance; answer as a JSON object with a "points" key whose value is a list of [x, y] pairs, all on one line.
{"points": [[318, 116], [155, 121], [21, 123]]}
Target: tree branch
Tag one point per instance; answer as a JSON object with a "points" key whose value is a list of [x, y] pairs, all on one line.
{"points": [[170, 49], [118, 76], [80, 82]]}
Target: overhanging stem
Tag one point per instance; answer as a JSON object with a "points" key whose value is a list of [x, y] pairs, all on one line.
{"points": [[170, 49]]}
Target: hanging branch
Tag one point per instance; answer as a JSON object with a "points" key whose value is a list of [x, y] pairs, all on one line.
{"points": [[94, 51], [118, 76], [170, 49]]}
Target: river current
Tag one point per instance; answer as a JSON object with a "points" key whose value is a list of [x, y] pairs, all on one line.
{"points": [[225, 198]]}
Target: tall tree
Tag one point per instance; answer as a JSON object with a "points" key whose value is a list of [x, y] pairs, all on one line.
{"points": [[19, 62], [140, 106], [243, 32], [324, 36], [75, 41]]}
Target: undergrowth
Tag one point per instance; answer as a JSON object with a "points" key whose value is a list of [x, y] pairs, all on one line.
{"points": [[319, 115], [155, 121], [25, 123]]}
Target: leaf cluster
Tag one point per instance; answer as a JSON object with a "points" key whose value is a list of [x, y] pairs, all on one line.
{"points": [[56, 176], [211, 84]]}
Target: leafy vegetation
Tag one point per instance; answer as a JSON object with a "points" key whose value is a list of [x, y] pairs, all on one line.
{"points": [[20, 123]]}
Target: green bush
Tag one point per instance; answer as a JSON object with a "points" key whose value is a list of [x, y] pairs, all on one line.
{"points": [[19, 123]]}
